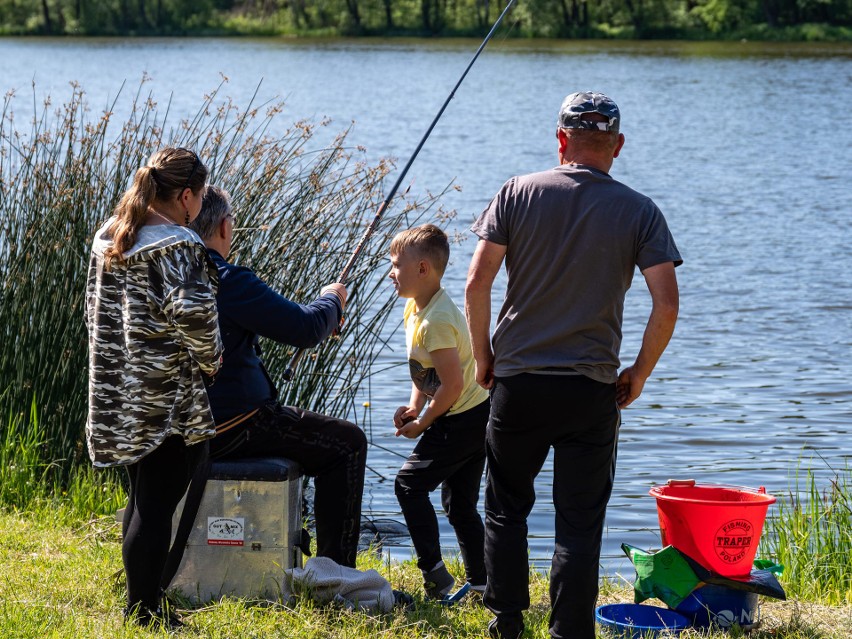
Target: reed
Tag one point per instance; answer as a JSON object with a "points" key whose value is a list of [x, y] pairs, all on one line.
{"points": [[22, 465], [811, 536], [28, 485], [301, 206]]}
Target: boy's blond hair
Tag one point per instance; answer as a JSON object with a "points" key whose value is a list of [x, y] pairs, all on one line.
{"points": [[427, 242]]}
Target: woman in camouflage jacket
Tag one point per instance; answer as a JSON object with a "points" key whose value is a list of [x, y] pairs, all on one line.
{"points": [[153, 336]]}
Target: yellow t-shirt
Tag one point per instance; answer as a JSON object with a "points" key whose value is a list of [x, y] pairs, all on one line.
{"points": [[440, 325]]}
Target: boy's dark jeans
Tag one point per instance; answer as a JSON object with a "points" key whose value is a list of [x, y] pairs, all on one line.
{"points": [[578, 417], [331, 450], [450, 453]]}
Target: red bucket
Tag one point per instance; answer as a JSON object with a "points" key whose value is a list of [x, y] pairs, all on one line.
{"points": [[717, 526]]}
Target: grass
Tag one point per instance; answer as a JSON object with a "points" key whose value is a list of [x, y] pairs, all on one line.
{"points": [[301, 206], [60, 577], [26, 481], [61, 571], [811, 536]]}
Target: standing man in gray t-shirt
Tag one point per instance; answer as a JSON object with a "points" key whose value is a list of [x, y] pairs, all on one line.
{"points": [[571, 238]]}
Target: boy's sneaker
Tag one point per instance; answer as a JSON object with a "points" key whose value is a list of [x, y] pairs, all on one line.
{"points": [[438, 582], [457, 596]]}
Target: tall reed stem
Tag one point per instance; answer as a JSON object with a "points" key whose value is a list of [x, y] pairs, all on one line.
{"points": [[300, 209]]}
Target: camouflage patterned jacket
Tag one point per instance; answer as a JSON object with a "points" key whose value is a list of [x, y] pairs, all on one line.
{"points": [[153, 331]]}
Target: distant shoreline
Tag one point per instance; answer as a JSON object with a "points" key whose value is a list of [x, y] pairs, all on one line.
{"points": [[806, 33]]}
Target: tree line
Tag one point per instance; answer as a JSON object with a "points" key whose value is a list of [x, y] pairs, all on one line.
{"points": [[812, 19]]}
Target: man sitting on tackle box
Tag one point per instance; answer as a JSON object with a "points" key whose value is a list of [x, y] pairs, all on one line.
{"points": [[250, 422]]}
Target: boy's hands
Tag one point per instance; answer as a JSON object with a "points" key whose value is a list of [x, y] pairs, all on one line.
{"points": [[404, 414], [412, 429], [449, 371], [406, 422]]}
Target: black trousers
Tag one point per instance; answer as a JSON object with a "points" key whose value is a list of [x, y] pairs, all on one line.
{"points": [[577, 417], [332, 451], [450, 453], [157, 484]]}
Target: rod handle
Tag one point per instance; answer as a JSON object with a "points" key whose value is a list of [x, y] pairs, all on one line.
{"points": [[290, 371]]}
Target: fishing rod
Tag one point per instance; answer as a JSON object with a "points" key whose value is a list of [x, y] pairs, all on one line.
{"points": [[344, 275]]}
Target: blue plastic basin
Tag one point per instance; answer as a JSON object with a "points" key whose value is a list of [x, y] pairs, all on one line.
{"points": [[640, 622]]}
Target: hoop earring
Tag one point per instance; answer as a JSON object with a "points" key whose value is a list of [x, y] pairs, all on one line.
{"points": [[186, 219]]}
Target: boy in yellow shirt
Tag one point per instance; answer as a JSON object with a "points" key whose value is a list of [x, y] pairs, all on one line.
{"points": [[451, 450]]}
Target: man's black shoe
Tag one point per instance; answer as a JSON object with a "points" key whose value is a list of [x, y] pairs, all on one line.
{"points": [[160, 618], [505, 628]]}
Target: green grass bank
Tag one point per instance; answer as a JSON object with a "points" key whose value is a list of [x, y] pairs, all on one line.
{"points": [[61, 576]]}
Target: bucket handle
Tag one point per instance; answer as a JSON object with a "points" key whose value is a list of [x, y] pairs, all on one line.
{"points": [[691, 483], [681, 482]]}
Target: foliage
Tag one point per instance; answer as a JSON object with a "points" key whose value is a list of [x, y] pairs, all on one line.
{"points": [[538, 18], [811, 536], [719, 15], [61, 578], [300, 212], [26, 483], [22, 464]]}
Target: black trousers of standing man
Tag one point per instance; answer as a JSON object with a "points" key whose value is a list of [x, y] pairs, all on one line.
{"points": [[577, 417]]}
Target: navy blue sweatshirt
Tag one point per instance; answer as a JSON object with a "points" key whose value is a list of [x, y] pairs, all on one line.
{"points": [[249, 309]]}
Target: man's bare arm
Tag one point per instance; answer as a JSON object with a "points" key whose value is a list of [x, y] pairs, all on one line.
{"points": [[662, 284], [484, 266]]}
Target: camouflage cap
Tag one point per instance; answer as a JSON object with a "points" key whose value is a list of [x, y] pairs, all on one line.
{"points": [[577, 104]]}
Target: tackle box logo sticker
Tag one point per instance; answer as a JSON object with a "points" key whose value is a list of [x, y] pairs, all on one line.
{"points": [[225, 531], [733, 539]]}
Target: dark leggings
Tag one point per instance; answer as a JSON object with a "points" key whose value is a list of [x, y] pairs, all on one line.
{"points": [[157, 483]]}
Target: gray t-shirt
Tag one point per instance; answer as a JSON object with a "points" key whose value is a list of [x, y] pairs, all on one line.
{"points": [[573, 238]]}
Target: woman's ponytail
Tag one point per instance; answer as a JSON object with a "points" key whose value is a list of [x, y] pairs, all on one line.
{"points": [[167, 174], [130, 214]]}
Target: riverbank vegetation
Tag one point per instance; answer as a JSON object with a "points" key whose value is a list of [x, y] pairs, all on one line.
{"points": [[301, 206], [61, 577], [783, 20], [811, 536]]}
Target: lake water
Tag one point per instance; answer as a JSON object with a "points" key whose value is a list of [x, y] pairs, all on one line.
{"points": [[745, 147]]}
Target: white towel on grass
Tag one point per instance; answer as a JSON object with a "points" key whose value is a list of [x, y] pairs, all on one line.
{"points": [[325, 581]]}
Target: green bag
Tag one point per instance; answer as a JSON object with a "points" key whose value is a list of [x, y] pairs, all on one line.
{"points": [[664, 574]]}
